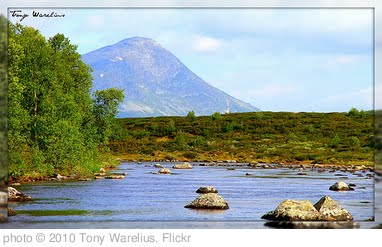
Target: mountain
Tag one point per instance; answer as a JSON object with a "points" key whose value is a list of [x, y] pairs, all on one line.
{"points": [[155, 82]]}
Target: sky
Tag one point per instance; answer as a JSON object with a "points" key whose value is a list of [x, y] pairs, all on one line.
{"points": [[315, 59]]}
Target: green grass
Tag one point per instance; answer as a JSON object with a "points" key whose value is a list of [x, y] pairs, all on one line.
{"points": [[330, 138]]}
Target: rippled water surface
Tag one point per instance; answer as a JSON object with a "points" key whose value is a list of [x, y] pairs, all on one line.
{"points": [[143, 196]]}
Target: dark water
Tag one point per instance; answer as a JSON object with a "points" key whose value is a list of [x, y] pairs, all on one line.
{"points": [[143, 196]]}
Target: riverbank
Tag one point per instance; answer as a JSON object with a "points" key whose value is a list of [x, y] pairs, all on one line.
{"points": [[255, 137], [218, 163]]}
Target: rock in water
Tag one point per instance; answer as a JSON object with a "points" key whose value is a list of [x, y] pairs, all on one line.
{"points": [[11, 212], [115, 177], [340, 186], [185, 165], [16, 196], [293, 210], [331, 210], [164, 171], [208, 201], [207, 189], [158, 166]]}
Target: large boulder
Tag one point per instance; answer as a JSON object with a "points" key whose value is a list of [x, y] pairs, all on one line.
{"points": [[206, 189], [208, 201], [330, 210], [293, 210], [16, 196], [326, 209], [164, 171], [340, 186], [185, 165]]}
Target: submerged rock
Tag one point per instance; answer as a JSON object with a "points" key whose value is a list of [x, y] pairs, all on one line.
{"points": [[293, 210], [16, 196], [164, 171], [115, 177], [206, 189], [185, 165], [331, 211], [208, 201], [340, 186]]}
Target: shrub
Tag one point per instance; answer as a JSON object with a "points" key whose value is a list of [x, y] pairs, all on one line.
{"points": [[335, 141], [216, 116], [191, 116], [354, 142]]}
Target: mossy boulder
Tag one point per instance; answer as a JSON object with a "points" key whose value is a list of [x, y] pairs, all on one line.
{"points": [[326, 209], [340, 186], [330, 210], [16, 196], [185, 165], [293, 210], [164, 171], [206, 189], [208, 201]]}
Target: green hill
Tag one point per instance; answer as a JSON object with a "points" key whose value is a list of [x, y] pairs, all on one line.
{"points": [[323, 138]]}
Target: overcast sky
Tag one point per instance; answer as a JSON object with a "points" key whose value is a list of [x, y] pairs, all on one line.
{"points": [[276, 59]]}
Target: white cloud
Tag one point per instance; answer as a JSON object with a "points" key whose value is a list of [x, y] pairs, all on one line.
{"points": [[346, 59], [362, 99], [206, 44]]}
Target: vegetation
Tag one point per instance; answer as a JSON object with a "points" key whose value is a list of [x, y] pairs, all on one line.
{"points": [[55, 126], [378, 139], [330, 138], [3, 101]]}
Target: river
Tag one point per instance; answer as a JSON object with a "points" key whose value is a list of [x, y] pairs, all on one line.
{"points": [[158, 200]]}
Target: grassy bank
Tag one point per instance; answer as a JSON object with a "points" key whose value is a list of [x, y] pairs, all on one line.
{"points": [[323, 138]]}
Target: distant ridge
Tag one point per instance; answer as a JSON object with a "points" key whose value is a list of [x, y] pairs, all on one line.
{"points": [[156, 83]]}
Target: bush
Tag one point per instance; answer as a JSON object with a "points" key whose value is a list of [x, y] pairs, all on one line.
{"points": [[191, 116], [216, 116], [354, 142], [335, 141]]}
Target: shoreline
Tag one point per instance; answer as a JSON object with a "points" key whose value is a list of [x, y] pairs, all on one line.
{"points": [[218, 163]]}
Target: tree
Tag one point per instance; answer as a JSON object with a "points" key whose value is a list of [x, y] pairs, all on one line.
{"points": [[191, 116], [3, 100], [52, 122], [105, 109]]}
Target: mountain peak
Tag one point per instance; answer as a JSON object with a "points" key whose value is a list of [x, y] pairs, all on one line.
{"points": [[156, 82], [137, 41]]}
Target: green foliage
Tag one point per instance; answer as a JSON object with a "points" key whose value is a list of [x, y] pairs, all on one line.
{"points": [[216, 116], [246, 137], [335, 141], [191, 116], [354, 142], [3, 100], [54, 124], [105, 109], [171, 127]]}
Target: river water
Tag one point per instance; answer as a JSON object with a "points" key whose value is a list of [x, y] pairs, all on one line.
{"points": [[156, 199]]}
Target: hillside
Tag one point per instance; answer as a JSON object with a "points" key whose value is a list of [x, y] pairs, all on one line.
{"points": [[330, 138], [155, 82]]}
